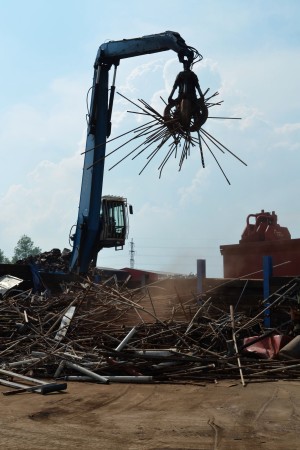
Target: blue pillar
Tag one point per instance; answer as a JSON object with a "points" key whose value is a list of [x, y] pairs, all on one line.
{"points": [[201, 274], [97, 278], [267, 271]]}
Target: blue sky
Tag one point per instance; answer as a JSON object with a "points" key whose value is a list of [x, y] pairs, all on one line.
{"points": [[250, 56]]}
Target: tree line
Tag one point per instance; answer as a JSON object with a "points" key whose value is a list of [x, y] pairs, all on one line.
{"points": [[24, 248]]}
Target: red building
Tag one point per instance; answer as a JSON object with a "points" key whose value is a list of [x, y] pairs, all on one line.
{"points": [[263, 236]]}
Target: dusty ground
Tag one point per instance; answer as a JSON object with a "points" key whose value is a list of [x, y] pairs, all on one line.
{"points": [[224, 416]]}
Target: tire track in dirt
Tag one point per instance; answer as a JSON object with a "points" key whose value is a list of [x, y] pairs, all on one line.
{"points": [[295, 413], [217, 429], [265, 405], [78, 406], [145, 398]]}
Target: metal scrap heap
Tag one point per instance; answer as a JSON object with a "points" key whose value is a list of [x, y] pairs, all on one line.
{"points": [[52, 261], [106, 333]]}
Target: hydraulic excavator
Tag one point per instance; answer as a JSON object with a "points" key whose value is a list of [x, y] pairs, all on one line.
{"points": [[103, 221]]}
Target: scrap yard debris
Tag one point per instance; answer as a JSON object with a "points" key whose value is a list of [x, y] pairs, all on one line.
{"points": [[53, 261], [105, 333]]}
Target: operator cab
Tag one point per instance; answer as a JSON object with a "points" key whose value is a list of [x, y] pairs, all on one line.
{"points": [[114, 222]]}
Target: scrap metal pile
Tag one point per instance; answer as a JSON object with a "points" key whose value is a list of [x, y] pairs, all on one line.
{"points": [[52, 261], [86, 334]]}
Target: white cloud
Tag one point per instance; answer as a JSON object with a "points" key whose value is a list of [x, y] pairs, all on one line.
{"points": [[44, 208], [163, 212], [139, 76], [288, 128], [47, 128], [193, 193]]}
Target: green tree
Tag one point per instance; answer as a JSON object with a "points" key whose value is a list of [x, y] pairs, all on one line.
{"points": [[3, 259], [24, 248]]}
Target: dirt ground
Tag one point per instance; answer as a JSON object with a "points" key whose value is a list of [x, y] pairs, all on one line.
{"points": [[223, 416]]}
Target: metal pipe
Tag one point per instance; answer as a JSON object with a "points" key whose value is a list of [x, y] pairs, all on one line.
{"points": [[116, 378], [155, 352], [130, 379], [126, 339], [39, 354], [24, 361], [87, 372], [277, 369], [76, 378], [235, 345], [22, 377], [12, 384], [59, 369]]}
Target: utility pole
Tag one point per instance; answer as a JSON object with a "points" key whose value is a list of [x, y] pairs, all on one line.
{"points": [[131, 252]]}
